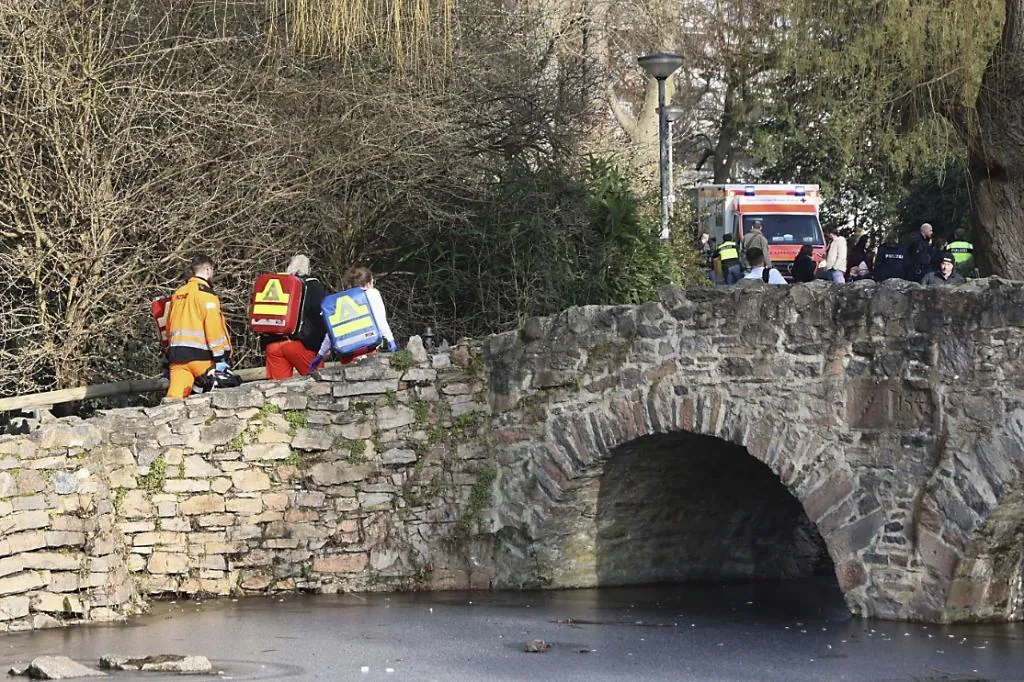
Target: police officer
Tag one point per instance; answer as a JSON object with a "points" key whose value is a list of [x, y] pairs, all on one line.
{"points": [[891, 261], [728, 256], [963, 252]]}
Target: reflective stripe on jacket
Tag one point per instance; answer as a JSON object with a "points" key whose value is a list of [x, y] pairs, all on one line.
{"points": [[727, 251], [195, 325], [962, 251]]}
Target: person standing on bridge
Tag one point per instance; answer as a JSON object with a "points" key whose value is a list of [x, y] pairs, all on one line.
{"points": [[361, 278], [198, 341], [285, 354], [920, 253], [946, 274]]}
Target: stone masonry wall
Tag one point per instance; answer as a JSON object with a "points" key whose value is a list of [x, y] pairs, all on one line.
{"points": [[361, 480], [893, 414]]}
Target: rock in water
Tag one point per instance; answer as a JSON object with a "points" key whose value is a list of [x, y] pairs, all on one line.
{"points": [[55, 668], [165, 663], [536, 646]]}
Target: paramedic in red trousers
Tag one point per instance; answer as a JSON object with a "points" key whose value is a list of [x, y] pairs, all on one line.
{"points": [[362, 278], [198, 340], [295, 352]]}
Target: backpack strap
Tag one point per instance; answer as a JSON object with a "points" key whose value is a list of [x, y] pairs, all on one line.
{"points": [[766, 274]]}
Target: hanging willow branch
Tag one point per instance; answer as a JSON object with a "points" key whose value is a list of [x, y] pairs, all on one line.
{"points": [[402, 29]]}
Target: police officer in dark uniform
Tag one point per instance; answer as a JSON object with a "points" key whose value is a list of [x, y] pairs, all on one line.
{"points": [[891, 261]]}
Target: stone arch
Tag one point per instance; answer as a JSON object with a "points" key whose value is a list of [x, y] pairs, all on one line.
{"points": [[581, 438]]}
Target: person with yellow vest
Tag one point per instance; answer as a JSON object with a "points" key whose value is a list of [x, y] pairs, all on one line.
{"points": [[198, 341], [963, 252], [728, 256]]}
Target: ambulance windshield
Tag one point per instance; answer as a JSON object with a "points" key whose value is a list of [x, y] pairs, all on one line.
{"points": [[781, 229]]}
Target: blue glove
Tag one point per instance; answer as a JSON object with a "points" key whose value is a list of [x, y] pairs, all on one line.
{"points": [[316, 363], [392, 346], [221, 366]]}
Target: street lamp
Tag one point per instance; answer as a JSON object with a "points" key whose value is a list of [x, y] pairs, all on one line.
{"points": [[661, 65], [673, 113]]}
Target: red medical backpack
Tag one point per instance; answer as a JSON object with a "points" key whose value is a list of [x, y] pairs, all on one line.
{"points": [[161, 308], [276, 304]]}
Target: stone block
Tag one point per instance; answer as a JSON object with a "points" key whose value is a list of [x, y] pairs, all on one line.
{"points": [[222, 431], [313, 439], [220, 485], [266, 451], [15, 543], [63, 538], [49, 602], [51, 561], [8, 486], [135, 505], [310, 499], [197, 467], [29, 503], [13, 607], [375, 501], [398, 456], [274, 436], [186, 485], [419, 375], [216, 520], [167, 509], [394, 417], [12, 564], [201, 504], [167, 563], [161, 537], [245, 505], [275, 501], [341, 563], [130, 527], [30, 482], [22, 582], [336, 473], [247, 395], [64, 581], [250, 480], [356, 431], [354, 388]]}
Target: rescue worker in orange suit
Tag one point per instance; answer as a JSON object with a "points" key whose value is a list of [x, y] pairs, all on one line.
{"points": [[296, 352], [198, 338]]}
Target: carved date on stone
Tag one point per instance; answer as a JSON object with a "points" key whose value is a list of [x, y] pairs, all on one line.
{"points": [[887, 405]]}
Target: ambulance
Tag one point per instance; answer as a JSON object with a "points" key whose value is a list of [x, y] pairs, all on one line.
{"points": [[788, 215]]}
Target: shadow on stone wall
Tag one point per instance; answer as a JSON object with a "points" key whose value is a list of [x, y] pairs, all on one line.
{"points": [[683, 507]]}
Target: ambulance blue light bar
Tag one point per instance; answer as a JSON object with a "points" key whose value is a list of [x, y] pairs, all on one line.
{"points": [[748, 191], [800, 191]]}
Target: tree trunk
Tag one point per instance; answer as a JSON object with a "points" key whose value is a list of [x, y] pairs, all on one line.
{"points": [[997, 154]]}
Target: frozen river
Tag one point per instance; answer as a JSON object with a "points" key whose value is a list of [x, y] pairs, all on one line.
{"points": [[796, 631]]}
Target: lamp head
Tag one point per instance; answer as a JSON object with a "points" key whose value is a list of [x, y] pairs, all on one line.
{"points": [[660, 65]]}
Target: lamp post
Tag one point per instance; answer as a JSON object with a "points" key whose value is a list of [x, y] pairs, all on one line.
{"points": [[661, 65], [673, 113]]}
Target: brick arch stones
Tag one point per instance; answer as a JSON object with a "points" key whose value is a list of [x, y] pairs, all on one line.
{"points": [[892, 413]]}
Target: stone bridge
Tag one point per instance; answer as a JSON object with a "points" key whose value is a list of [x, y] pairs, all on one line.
{"points": [[872, 432]]}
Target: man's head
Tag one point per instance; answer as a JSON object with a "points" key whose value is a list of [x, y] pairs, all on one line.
{"points": [[947, 264], [756, 225], [755, 256], [960, 234], [926, 230], [831, 233], [202, 266], [892, 239]]}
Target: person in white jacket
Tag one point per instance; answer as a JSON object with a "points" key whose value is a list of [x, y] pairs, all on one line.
{"points": [[833, 268], [362, 278]]}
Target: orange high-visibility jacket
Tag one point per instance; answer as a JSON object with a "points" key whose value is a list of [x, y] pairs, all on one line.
{"points": [[195, 325]]}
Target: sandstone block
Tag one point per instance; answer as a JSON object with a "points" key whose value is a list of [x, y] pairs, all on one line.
{"points": [[167, 563], [250, 480], [63, 538], [418, 375], [130, 527], [220, 485], [274, 436], [186, 485], [51, 561], [8, 486], [356, 431], [27, 520], [12, 564], [201, 504], [29, 503], [335, 473], [15, 543], [13, 607], [310, 499], [222, 431], [245, 505], [341, 563], [21, 582], [218, 520], [266, 451], [247, 395], [275, 501], [197, 467], [374, 501], [48, 602], [135, 505], [64, 581]]}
